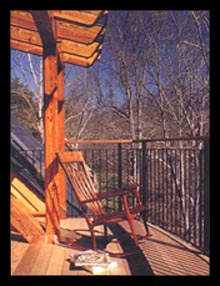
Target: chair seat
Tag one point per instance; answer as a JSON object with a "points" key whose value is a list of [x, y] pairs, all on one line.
{"points": [[117, 216]]}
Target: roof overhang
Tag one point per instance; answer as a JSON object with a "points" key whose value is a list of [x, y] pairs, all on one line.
{"points": [[77, 35]]}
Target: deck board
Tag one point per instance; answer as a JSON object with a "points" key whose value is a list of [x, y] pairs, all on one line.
{"points": [[58, 258], [160, 254], [28, 260], [169, 257], [18, 250], [43, 259]]}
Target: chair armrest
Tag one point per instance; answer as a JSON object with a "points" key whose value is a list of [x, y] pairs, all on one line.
{"points": [[114, 193], [118, 192]]}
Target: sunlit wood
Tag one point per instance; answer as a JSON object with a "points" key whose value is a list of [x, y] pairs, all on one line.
{"points": [[162, 255], [26, 47], [61, 144], [73, 59], [24, 222], [51, 137], [23, 19], [46, 27], [101, 141], [76, 33], [23, 35], [83, 17], [73, 37], [86, 51]]}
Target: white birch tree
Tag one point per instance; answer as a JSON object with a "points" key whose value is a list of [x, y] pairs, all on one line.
{"points": [[28, 68]]}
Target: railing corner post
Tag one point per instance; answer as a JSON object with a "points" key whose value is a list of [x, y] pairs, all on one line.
{"points": [[207, 195], [120, 171], [144, 178]]}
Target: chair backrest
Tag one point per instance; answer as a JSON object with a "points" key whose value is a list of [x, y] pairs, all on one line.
{"points": [[75, 169]]}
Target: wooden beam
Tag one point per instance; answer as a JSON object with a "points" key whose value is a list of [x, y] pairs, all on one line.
{"points": [[45, 23], [77, 33], [79, 49], [76, 43], [83, 17], [51, 146], [30, 41], [61, 142], [68, 58], [23, 35], [45, 26], [23, 19], [80, 61], [102, 141], [26, 47], [129, 141]]}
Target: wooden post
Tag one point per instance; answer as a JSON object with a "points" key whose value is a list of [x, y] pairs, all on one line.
{"points": [[51, 143], [61, 141]]}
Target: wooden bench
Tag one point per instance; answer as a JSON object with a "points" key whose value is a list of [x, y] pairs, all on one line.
{"points": [[32, 202], [25, 207], [24, 222]]}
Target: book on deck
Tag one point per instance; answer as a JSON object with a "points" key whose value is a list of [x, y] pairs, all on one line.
{"points": [[93, 261]]}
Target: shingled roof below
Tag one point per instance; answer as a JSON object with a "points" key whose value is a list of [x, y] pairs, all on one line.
{"points": [[27, 167], [23, 136]]}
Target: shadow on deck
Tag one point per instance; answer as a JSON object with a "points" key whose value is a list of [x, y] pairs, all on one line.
{"points": [[161, 254]]}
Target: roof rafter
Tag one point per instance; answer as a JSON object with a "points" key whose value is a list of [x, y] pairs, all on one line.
{"points": [[76, 35]]}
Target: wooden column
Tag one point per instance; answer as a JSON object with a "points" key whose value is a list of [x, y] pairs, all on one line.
{"points": [[61, 140], [51, 142]]}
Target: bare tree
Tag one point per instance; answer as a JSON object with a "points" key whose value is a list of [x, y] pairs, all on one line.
{"points": [[181, 72], [160, 60], [28, 68], [120, 89], [80, 105], [181, 76]]}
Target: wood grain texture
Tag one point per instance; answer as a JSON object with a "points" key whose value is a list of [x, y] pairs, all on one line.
{"points": [[24, 222], [78, 35], [21, 191], [160, 255]]}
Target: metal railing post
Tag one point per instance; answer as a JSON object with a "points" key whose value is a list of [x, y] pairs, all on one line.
{"points": [[207, 196], [120, 171], [144, 185]]}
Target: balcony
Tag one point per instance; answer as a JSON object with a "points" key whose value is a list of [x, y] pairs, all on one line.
{"points": [[173, 176], [161, 254]]}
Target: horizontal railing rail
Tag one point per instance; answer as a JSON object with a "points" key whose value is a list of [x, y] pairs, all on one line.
{"points": [[173, 175], [129, 141]]}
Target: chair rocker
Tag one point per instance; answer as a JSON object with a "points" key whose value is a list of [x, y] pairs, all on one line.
{"points": [[90, 200]]}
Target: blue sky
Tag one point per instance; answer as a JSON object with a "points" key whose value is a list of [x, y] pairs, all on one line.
{"points": [[73, 72]]}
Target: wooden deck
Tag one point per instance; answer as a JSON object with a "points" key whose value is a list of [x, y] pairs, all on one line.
{"points": [[161, 254]]}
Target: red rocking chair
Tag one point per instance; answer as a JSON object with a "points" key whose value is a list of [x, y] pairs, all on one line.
{"points": [[91, 202]]}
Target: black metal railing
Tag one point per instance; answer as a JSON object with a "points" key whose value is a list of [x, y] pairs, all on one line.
{"points": [[33, 160], [173, 175]]}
